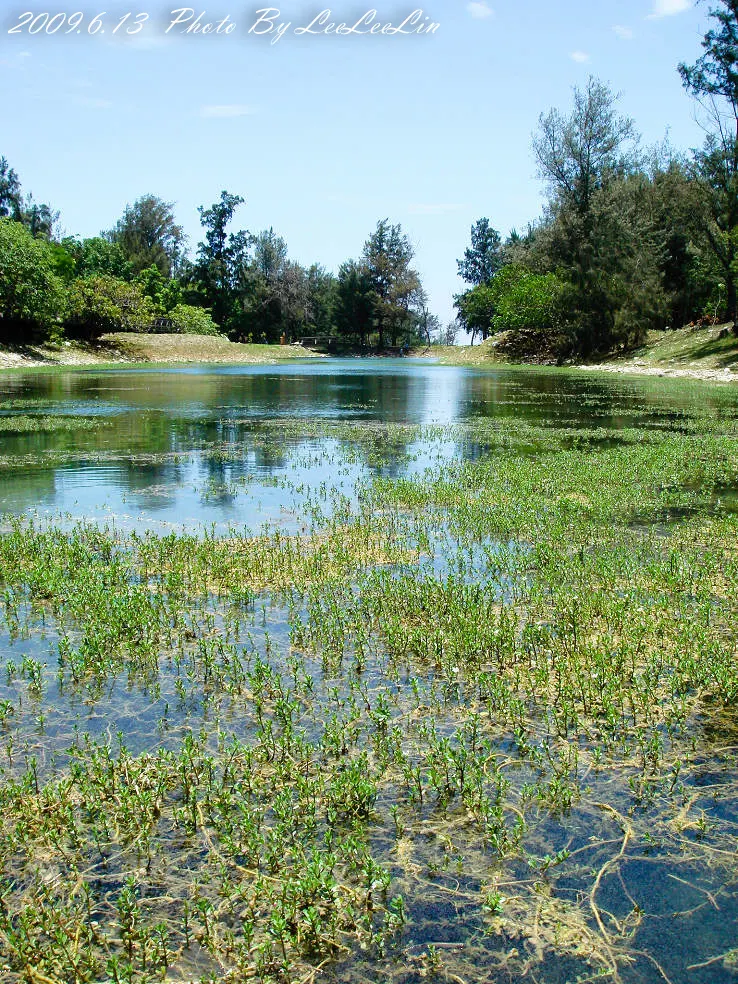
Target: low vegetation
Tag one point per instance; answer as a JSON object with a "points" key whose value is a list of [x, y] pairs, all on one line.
{"points": [[461, 724]]}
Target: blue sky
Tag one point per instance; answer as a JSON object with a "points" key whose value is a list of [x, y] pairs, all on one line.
{"points": [[324, 135]]}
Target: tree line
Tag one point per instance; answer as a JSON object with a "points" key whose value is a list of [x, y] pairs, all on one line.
{"points": [[629, 240], [139, 276]]}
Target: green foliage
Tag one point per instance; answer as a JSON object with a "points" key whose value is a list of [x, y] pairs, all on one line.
{"points": [[164, 293], [63, 262], [321, 287], [38, 218], [714, 80], [101, 304], [715, 74], [148, 235], [388, 254], [31, 294], [529, 302], [192, 320], [221, 272], [10, 192], [583, 152], [97, 257], [476, 309], [483, 258], [355, 302]]}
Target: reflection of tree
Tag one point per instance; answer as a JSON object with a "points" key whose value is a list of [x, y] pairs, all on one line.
{"points": [[21, 490], [248, 424]]}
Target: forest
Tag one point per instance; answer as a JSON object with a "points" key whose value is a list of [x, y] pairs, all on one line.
{"points": [[631, 239]]}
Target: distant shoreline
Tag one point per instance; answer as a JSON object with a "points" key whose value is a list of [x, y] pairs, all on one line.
{"points": [[130, 349], [682, 360]]}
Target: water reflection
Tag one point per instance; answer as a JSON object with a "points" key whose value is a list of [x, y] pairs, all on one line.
{"points": [[152, 460]]}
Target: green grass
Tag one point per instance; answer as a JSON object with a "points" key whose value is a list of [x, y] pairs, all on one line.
{"points": [[683, 349], [131, 347], [197, 348], [493, 690], [701, 348]]}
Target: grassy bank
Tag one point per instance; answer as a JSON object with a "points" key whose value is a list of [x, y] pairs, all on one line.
{"points": [[707, 353], [129, 347]]}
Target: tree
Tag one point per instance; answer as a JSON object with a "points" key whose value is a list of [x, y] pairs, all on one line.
{"points": [[714, 76], [483, 258], [387, 256], [293, 293], [322, 299], [581, 157], [39, 218], [476, 310], [581, 153], [270, 254], [149, 236], [679, 203], [355, 302], [450, 333], [429, 326], [223, 272], [97, 257], [101, 304], [713, 80], [11, 201], [31, 295]]}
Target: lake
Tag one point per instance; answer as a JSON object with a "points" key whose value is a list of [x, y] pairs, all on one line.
{"points": [[214, 447], [362, 670]]}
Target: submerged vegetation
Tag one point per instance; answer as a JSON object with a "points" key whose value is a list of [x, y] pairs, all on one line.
{"points": [[470, 722]]}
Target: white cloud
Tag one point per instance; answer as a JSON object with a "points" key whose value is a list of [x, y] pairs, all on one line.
{"points": [[624, 33], [580, 57], [226, 112], [667, 8], [480, 9], [428, 209]]}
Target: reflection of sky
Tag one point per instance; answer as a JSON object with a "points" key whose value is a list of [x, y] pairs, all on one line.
{"points": [[175, 415], [187, 495], [443, 397]]}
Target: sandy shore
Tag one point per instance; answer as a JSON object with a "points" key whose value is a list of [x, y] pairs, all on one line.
{"points": [[673, 372], [36, 357]]}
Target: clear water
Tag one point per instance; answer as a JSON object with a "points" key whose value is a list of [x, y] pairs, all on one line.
{"points": [[221, 447], [193, 447]]}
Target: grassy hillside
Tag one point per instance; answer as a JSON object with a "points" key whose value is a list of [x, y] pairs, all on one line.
{"points": [[197, 348], [693, 350], [697, 348], [124, 347]]}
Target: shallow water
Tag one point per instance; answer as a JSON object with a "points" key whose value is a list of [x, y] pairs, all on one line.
{"points": [[215, 447], [212, 449]]}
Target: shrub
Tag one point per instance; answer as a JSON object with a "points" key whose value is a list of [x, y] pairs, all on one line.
{"points": [[32, 299], [528, 301], [101, 304], [193, 320], [532, 309]]}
